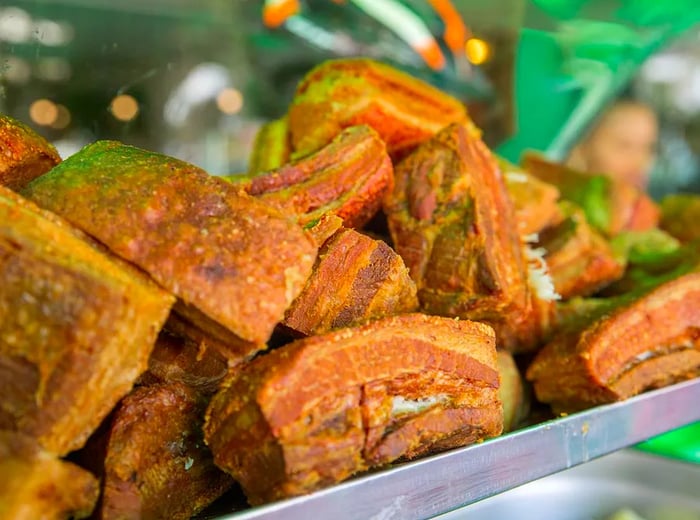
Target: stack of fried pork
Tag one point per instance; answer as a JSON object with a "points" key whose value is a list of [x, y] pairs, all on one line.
{"points": [[354, 300]]}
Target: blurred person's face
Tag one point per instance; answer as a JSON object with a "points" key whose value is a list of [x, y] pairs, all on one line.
{"points": [[622, 146]]}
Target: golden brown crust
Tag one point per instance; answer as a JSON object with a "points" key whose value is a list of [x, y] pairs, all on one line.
{"points": [[76, 327], [452, 222], [580, 261], [341, 93], [347, 178], [35, 485], [156, 463], [24, 154], [355, 279], [535, 201], [651, 342], [318, 410], [221, 252]]}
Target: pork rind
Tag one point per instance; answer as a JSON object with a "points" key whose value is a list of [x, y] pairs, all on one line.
{"points": [[37, 485], [76, 327], [24, 154], [652, 342], [234, 263], [321, 409], [337, 94]]}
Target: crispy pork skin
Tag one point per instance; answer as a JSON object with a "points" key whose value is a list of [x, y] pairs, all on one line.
{"points": [[337, 94], [24, 154], [579, 259], [156, 464], [348, 178], [234, 263], [320, 409], [453, 223], [76, 326], [535, 201], [653, 341], [37, 485], [356, 278]]}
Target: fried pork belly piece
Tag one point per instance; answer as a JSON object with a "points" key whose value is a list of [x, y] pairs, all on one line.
{"points": [[341, 93], [652, 342], [356, 278], [179, 359], [76, 326], [535, 201], [511, 391], [156, 463], [272, 147], [36, 485], [452, 222], [348, 178], [234, 263], [579, 259], [680, 215], [24, 154], [611, 206], [321, 409]]}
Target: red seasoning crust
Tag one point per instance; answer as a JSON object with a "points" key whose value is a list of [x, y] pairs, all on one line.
{"points": [[580, 260], [355, 279], [318, 410], [24, 154], [272, 147], [156, 463], [652, 342], [348, 178], [76, 327], [234, 263], [337, 94], [453, 224], [36, 485]]}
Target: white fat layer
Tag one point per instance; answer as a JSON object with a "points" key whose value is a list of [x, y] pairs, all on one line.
{"points": [[537, 271], [400, 405], [516, 177]]}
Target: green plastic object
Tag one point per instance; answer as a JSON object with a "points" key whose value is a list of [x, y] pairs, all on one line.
{"points": [[575, 56], [683, 444]]}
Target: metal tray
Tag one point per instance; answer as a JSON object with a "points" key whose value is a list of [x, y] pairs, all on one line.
{"points": [[435, 485], [652, 487]]}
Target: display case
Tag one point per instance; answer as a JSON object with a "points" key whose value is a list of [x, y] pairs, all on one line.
{"points": [[197, 80]]}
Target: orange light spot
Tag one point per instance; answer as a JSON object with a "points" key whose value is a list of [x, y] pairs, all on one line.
{"points": [[276, 14], [43, 112], [124, 107], [477, 51], [230, 101], [63, 118]]}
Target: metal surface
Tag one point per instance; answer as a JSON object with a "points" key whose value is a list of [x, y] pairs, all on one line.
{"points": [[445, 482], [652, 487]]}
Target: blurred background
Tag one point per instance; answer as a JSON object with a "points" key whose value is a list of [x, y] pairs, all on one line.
{"points": [[196, 79]]}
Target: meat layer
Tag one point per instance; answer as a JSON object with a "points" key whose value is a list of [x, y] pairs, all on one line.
{"points": [[318, 410]]}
